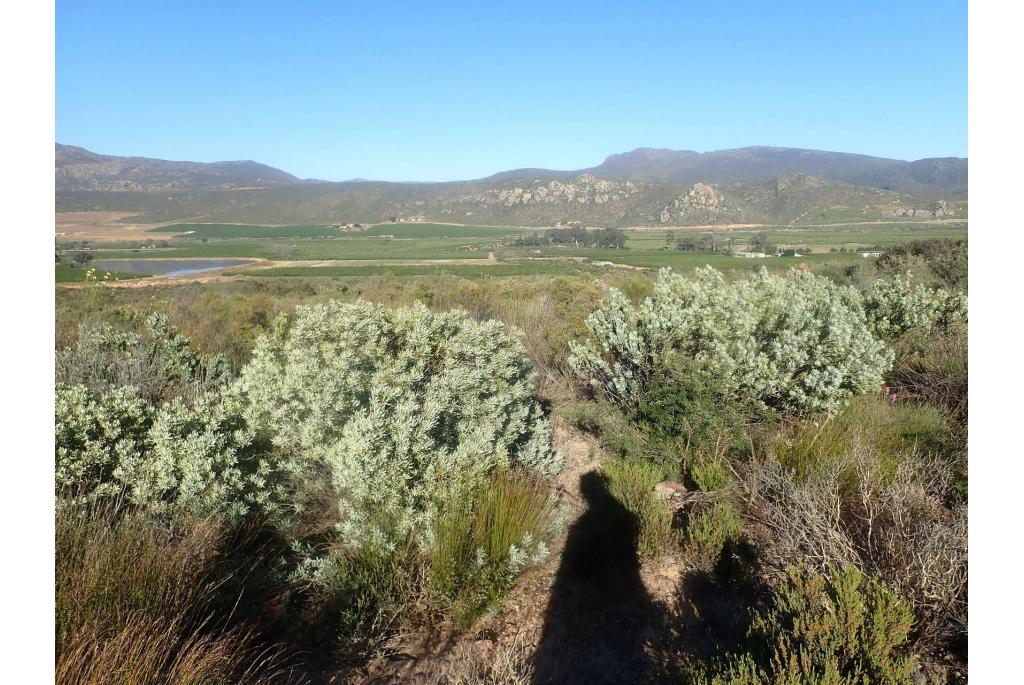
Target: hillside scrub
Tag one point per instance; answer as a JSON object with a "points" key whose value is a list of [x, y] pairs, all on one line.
{"points": [[401, 461], [833, 481], [358, 432], [942, 259], [792, 343]]}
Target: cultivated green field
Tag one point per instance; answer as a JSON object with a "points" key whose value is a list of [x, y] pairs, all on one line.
{"points": [[395, 230], [462, 270], [340, 248], [420, 243], [221, 231], [818, 238], [654, 259], [417, 230]]}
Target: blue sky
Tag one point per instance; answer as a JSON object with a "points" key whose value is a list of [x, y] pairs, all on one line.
{"points": [[449, 90]]}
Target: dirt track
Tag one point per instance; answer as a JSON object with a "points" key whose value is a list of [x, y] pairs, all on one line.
{"points": [[105, 227]]}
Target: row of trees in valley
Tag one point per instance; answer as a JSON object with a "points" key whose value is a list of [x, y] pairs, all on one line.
{"points": [[577, 236]]}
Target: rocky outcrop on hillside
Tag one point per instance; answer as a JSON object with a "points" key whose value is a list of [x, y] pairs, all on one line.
{"points": [[940, 209], [701, 203], [582, 190]]}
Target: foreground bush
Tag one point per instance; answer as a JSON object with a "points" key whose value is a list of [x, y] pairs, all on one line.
{"points": [[897, 307], [839, 628], [200, 458], [138, 603], [356, 597], [632, 484], [793, 343], [686, 404], [405, 408], [487, 538], [887, 520], [711, 530]]}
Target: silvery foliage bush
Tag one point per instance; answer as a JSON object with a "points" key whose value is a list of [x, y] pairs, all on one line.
{"points": [[160, 363], [896, 307], [401, 406], [794, 343], [95, 435], [200, 458]]}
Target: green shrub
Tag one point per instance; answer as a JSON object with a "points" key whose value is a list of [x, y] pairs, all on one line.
{"points": [[403, 407], [794, 343], [632, 484], [485, 540], [710, 473], [710, 530], [359, 596], [683, 401], [888, 429], [840, 628]]}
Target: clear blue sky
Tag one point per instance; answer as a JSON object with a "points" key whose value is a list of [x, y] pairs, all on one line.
{"points": [[451, 90]]}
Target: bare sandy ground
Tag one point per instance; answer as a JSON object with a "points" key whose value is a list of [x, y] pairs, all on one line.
{"points": [[103, 227]]}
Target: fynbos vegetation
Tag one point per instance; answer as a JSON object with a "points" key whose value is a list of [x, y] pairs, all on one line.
{"points": [[338, 480], [794, 343]]}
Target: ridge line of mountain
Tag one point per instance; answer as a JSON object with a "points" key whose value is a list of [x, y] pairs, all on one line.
{"points": [[643, 187]]}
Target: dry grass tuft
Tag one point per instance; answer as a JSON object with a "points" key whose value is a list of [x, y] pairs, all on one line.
{"points": [[137, 603]]}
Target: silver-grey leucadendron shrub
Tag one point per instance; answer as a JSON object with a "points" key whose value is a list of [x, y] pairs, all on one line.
{"points": [[158, 361], [402, 406], [200, 458], [896, 307], [795, 342]]}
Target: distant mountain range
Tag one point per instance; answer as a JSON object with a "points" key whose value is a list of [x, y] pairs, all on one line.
{"points": [[643, 187], [80, 169], [760, 164]]}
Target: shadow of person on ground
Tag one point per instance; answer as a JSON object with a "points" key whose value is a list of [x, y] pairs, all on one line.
{"points": [[600, 615]]}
